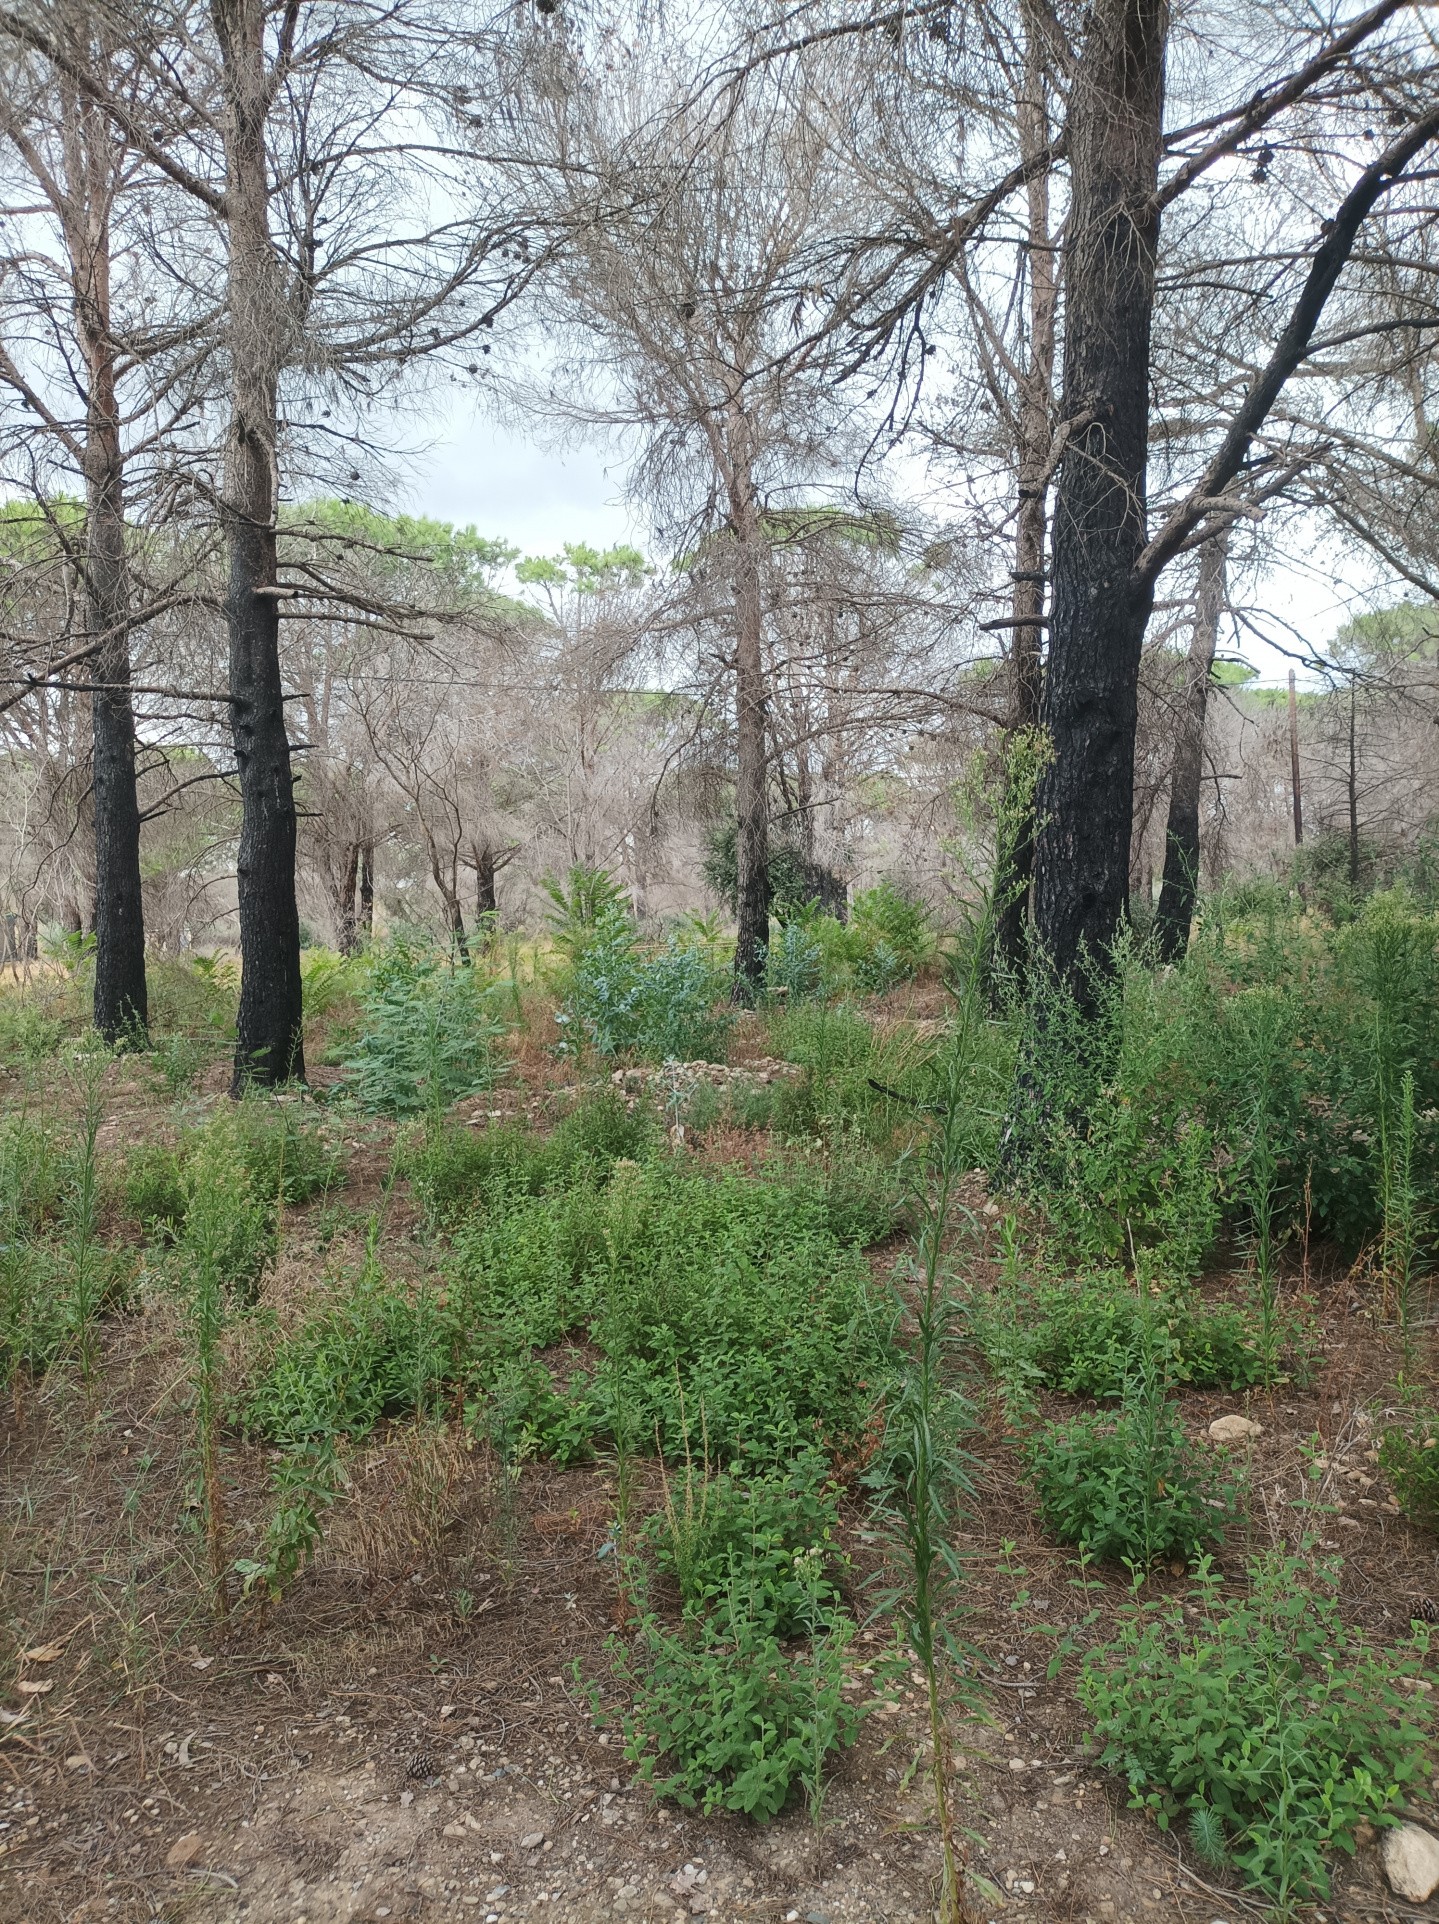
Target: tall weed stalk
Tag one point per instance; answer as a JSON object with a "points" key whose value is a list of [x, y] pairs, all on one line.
{"points": [[85, 1251], [924, 1473], [1260, 1179], [206, 1249], [1402, 1209]]}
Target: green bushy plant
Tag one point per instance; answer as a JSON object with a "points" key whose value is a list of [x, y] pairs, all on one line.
{"points": [[1267, 1719], [427, 1032], [894, 936], [887, 938], [369, 1349], [35, 1172], [732, 1302], [31, 1028], [57, 1276], [857, 1083], [454, 1169], [768, 1537], [794, 962], [1124, 1490], [288, 1158], [602, 1128], [579, 905], [659, 1003], [1409, 1460], [724, 1717], [304, 1485], [1129, 1487], [228, 1231], [197, 996], [1088, 1339], [867, 1193]]}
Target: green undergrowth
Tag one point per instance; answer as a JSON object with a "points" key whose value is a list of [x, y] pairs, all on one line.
{"points": [[724, 1716], [581, 1288], [1259, 1085], [1129, 1487], [287, 1157], [1272, 1727], [1409, 1462], [1085, 1338], [769, 1536]]}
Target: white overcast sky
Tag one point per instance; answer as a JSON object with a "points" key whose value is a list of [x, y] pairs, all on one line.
{"points": [[507, 483]]}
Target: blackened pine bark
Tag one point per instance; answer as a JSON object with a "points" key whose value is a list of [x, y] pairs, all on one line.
{"points": [[345, 902], [121, 998], [367, 891], [269, 1042], [1015, 869], [751, 788], [1084, 805], [1352, 784], [486, 897], [1181, 837]]}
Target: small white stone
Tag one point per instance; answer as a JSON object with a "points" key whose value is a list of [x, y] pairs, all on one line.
{"points": [[1411, 1863], [533, 1841], [1234, 1429]]}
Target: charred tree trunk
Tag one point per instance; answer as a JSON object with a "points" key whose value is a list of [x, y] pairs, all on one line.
{"points": [[345, 904], [1181, 839], [751, 789], [1085, 799], [486, 896], [121, 997], [269, 1042], [1015, 868], [1296, 793], [1352, 784], [367, 891]]}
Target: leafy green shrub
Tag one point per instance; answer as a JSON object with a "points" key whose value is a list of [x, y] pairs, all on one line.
{"points": [[794, 963], [866, 1193], [849, 1074], [661, 1005], [371, 1349], [178, 1060], [1089, 1339], [427, 1032], [286, 1157], [232, 1238], [886, 919], [30, 1031], [35, 1170], [721, 1303], [327, 980], [454, 1169], [1120, 1178], [766, 1538], [156, 1189], [1268, 1718], [724, 1717], [579, 905], [56, 1276], [599, 1131], [1129, 1487], [304, 1483], [1409, 1460]]}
